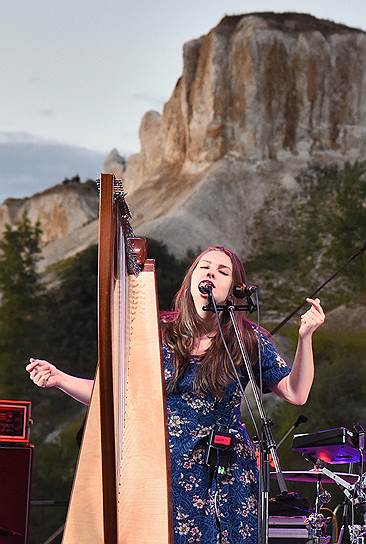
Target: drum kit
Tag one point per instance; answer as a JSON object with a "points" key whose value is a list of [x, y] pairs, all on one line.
{"points": [[334, 447]]}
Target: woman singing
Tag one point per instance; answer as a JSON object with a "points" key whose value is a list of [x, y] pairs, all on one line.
{"points": [[203, 393]]}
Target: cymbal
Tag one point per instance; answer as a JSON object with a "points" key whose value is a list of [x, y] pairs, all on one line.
{"points": [[312, 476]]}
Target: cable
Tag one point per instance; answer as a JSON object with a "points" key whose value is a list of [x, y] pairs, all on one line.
{"points": [[217, 507]]}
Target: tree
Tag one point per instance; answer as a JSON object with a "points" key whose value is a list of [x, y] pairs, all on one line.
{"points": [[304, 236], [72, 308], [169, 272], [22, 303]]}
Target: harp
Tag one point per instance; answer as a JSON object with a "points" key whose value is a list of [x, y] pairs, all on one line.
{"points": [[121, 491]]}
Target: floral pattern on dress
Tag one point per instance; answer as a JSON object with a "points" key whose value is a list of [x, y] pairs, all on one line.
{"points": [[197, 492]]}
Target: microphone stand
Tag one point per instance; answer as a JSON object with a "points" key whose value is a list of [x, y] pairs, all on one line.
{"points": [[267, 443]]}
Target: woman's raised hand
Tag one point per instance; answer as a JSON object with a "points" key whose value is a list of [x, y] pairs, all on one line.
{"points": [[312, 319], [43, 373]]}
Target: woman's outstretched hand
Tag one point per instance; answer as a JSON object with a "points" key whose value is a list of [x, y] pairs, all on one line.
{"points": [[43, 373], [312, 319]]}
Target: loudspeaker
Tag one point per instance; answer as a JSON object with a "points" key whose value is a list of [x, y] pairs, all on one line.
{"points": [[15, 483]]}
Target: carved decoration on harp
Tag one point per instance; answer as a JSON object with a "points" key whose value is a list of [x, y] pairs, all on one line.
{"points": [[122, 491]]}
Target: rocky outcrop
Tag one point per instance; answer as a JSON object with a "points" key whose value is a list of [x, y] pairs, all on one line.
{"points": [[67, 215], [261, 87], [261, 97], [115, 163]]}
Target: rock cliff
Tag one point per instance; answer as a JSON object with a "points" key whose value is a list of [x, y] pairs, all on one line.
{"points": [[67, 214], [261, 97]]}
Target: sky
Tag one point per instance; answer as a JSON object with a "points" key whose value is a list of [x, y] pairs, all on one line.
{"points": [[82, 73]]}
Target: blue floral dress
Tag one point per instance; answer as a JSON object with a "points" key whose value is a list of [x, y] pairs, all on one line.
{"points": [[199, 495]]}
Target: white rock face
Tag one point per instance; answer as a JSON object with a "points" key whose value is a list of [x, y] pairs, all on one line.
{"points": [[65, 213], [261, 97]]}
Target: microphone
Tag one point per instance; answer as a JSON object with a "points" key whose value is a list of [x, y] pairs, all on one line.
{"points": [[300, 419], [205, 287], [242, 290]]}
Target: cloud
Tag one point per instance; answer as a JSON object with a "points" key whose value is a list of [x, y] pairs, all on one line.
{"points": [[19, 137], [33, 165], [47, 112]]}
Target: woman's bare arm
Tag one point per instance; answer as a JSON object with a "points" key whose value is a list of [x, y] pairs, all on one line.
{"points": [[45, 374], [295, 388]]}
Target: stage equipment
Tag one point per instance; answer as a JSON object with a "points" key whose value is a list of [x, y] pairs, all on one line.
{"points": [[300, 419], [334, 446], [266, 441], [15, 485], [244, 290], [288, 530], [315, 475], [219, 448], [205, 287], [121, 492], [15, 421], [316, 522]]}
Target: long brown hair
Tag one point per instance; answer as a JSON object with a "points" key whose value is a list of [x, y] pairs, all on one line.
{"points": [[185, 326]]}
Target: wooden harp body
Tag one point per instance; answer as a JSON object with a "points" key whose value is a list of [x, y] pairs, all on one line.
{"points": [[121, 492]]}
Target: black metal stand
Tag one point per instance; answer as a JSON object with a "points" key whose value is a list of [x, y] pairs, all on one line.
{"points": [[267, 444], [356, 495], [300, 419]]}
